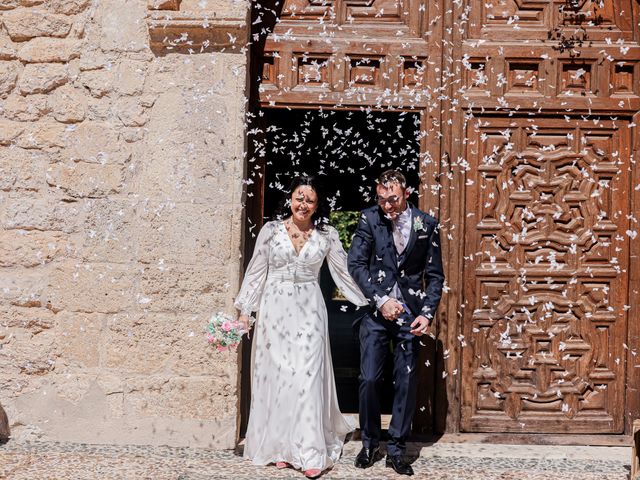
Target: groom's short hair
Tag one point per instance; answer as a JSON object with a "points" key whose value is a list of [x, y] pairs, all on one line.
{"points": [[392, 176]]}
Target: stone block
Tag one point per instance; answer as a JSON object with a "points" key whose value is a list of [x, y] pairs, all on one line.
{"points": [[163, 4], [31, 248], [68, 104], [110, 231], [25, 109], [99, 82], [8, 76], [81, 179], [123, 33], [184, 233], [130, 76], [130, 112], [183, 288], [9, 131], [8, 4], [42, 78], [8, 49], [212, 397], [25, 24], [34, 319], [22, 169], [92, 59], [46, 135], [50, 50], [29, 353], [140, 343], [68, 7], [40, 212], [96, 142], [95, 288], [78, 340]]}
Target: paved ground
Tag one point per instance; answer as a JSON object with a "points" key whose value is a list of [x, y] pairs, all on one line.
{"points": [[441, 461]]}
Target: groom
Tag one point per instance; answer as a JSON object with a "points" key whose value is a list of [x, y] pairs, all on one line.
{"points": [[395, 260]]}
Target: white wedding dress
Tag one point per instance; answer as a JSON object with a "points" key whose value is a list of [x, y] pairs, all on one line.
{"points": [[294, 414]]}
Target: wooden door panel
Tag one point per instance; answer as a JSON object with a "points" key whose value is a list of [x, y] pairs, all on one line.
{"points": [[540, 19], [545, 276], [350, 53]]}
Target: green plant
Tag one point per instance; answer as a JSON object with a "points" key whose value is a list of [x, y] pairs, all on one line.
{"points": [[345, 223]]}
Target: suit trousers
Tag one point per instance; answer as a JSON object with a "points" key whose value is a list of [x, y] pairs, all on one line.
{"points": [[375, 334]]}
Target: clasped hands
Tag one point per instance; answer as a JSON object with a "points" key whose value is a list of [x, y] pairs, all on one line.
{"points": [[392, 309]]}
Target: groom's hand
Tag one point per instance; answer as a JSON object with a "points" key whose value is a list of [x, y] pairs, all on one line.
{"points": [[420, 326], [391, 309]]}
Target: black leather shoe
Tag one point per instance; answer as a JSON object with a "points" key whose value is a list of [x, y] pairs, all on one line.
{"points": [[399, 465], [367, 457]]}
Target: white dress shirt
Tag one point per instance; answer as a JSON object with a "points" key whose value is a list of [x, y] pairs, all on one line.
{"points": [[402, 224]]}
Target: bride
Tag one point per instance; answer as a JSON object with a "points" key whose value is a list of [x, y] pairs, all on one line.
{"points": [[294, 419]]}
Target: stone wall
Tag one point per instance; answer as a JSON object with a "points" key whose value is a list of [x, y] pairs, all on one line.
{"points": [[120, 225]]}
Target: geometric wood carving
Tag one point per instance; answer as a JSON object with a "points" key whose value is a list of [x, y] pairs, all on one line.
{"points": [[546, 322]]}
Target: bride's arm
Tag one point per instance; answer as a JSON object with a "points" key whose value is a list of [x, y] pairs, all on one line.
{"points": [[337, 261], [248, 299]]}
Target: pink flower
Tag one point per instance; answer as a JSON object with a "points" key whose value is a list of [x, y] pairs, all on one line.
{"points": [[226, 325], [210, 338]]}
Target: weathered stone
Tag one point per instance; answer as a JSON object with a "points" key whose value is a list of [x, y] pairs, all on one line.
{"points": [[140, 344], [96, 142], [205, 242], [30, 248], [82, 179], [22, 25], [91, 59], [110, 232], [163, 4], [29, 353], [99, 82], [129, 77], [9, 131], [8, 76], [209, 397], [42, 78], [43, 135], [130, 112], [78, 339], [22, 169], [34, 318], [43, 50], [25, 109], [8, 4], [8, 49], [68, 7], [123, 33], [182, 288], [39, 212], [92, 287], [69, 105]]}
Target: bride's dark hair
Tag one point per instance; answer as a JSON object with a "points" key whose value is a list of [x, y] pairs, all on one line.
{"points": [[320, 217]]}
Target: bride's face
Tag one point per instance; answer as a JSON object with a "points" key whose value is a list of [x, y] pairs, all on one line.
{"points": [[304, 203]]}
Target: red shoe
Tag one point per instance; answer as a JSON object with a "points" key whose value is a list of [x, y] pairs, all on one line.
{"points": [[282, 465], [313, 473]]}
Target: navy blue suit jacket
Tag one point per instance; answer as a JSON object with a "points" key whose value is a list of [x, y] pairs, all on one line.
{"points": [[373, 261]]}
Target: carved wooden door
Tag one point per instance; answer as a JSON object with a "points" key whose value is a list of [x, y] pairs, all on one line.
{"points": [[547, 162]]}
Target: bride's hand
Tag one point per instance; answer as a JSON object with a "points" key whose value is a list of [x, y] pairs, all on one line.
{"points": [[244, 322]]}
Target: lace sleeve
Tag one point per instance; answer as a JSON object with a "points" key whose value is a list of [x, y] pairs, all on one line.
{"points": [[248, 299], [337, 260]]}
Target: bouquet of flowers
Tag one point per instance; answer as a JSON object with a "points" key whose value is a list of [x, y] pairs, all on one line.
{"points": [[223, 332]]}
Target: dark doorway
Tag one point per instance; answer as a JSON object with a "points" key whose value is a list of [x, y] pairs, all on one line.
{"points": [[347, 150]]}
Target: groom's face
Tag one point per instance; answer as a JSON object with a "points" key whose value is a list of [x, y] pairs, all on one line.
{"points": [[392, 199]]}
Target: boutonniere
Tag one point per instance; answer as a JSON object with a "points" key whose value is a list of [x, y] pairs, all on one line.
{"points": [[417, 224]]}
